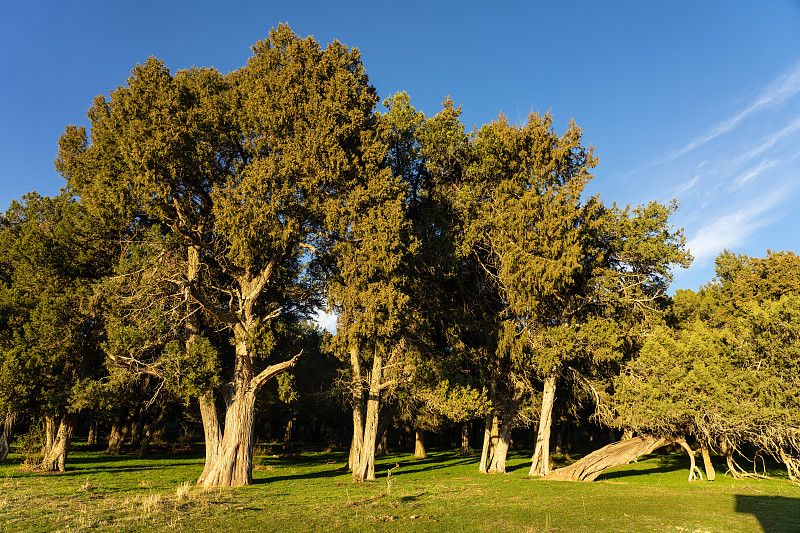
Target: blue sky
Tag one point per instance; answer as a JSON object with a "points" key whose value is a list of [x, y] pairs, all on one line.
{"points": [[693, 100]]}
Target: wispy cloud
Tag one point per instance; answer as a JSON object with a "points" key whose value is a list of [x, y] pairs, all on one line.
{"points": [[732, 229], [753, 173], [777, 92]]}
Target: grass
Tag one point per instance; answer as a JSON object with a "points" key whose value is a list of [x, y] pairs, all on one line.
{"points": [[441, 493]]}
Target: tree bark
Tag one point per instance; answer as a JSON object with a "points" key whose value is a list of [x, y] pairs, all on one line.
{"points": [[233, 465], [465, 449], [489, 441], [5, 436], [540, 462], [118, 433], [92, 439], [709, 466], [212, 432], [366, 465], [357, 443], [56, 458], [694, 472], [615, 454], [509, 420], [50, 430], [419, 445]]}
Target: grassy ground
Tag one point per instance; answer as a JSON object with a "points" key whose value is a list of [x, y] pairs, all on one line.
{"points": [[441, 493]]}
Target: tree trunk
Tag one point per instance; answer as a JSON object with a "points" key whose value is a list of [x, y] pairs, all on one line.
{"points": [[419, 445], [212, 432], [92, 440], [137, 427], [616, 454], [50, 430], [5, 436], [148, 434], [709, 466], [694, 472], [233, 466], [357, 443], [56, 457], [540, 463], [792, 465], [498, 465], [366, 463], [465, 449], [489, 441], [383, 446], [119, 431]]}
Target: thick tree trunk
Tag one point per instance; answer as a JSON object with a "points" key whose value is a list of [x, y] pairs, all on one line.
{"points": [[366, 464], [419, 445], [118, 434], [616, 454], [383, 446], [50, 431], [212, 432], [540, 463], [498, 465], [233, 466], [56, 457], [489, 441]]}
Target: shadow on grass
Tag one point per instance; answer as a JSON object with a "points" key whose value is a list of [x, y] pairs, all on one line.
{"points": [[775, 514]]}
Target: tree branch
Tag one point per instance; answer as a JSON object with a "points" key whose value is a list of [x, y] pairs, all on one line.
{"points": [[273, 370]]}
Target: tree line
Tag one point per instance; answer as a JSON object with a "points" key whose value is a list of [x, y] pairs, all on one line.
{"points": [[207, 217]]}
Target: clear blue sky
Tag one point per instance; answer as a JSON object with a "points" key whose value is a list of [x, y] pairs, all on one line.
{"points": [[693, 100]]}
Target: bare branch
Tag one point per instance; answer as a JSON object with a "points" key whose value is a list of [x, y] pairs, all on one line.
{"points": [[273, 370]]}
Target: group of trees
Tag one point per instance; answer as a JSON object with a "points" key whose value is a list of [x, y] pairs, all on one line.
{"points": [[207, 217]]}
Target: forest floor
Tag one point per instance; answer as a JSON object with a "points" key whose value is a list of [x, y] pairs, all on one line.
{"points": [[444, 492]]}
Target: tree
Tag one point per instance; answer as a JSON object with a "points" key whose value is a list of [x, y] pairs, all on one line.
{"points": [[725, 372], [52, 250], [247, 172]]}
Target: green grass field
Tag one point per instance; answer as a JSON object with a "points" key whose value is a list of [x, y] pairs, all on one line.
{"points": [[441, 493]]}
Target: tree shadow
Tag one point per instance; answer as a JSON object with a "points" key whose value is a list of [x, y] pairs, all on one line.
{"points": [[775, 514]]}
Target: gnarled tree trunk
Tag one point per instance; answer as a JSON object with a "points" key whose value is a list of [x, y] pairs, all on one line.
{"points": [[615, 454], [233, 464], [509, 421], [212, 432], [365, 469], [465, 449], [56, 458], [540, 462]]}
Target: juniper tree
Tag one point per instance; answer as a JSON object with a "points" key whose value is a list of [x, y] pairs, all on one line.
{"points": [[247, 172]]}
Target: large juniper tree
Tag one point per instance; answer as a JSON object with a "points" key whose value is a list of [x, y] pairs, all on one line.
{"points": [[248, 171]]}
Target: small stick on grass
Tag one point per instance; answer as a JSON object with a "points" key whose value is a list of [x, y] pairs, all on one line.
{"points": [[389, 478]]}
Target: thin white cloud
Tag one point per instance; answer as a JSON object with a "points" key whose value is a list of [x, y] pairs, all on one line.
{"points": [[685, 187], [776, 93], [753, 173], [733, 229]]}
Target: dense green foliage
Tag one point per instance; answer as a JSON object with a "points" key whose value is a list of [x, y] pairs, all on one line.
{"points": [[208, 216]]}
